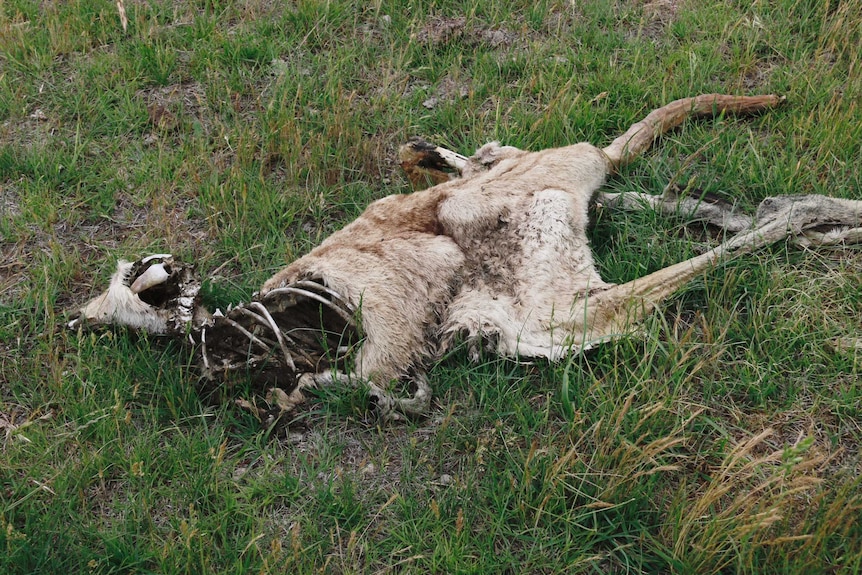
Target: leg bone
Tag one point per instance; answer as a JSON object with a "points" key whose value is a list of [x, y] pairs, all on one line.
{"points": [[615, 310]]}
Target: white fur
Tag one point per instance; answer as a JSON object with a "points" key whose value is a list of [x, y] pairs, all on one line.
{"points": [[119, 304]]}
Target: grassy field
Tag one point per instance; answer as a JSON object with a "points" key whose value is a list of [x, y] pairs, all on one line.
{"points": [[723, 438]]}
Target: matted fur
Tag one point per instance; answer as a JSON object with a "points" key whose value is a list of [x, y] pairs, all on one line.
{"points": [[501, 256]]}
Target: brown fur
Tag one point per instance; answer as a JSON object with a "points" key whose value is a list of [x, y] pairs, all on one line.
{"points": [[500, 255]]}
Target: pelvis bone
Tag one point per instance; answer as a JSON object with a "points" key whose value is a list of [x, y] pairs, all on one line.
{"points": [[496, 255]]}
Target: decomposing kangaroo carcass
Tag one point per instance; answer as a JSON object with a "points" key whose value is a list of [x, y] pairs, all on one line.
{"points": [[495, 255]]}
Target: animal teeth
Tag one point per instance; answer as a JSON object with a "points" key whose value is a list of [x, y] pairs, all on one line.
{"points": [[154, 275]]}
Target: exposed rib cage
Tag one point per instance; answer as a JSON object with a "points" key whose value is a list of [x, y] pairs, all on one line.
{"points": [[302, 328]]}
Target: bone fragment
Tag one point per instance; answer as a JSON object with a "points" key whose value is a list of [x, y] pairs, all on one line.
{"points": [[153, 276]]}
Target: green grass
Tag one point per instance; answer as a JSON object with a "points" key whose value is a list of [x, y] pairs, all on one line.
{"points": [[722, 438]]}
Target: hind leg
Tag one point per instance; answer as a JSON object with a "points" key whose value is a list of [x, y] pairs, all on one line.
{"points": [[809, 220]]}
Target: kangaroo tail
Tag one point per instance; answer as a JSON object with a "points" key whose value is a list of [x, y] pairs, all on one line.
{"points": [[641, 135]]}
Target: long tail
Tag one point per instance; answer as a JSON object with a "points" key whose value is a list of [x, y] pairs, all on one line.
{"points": [[641, 135]]}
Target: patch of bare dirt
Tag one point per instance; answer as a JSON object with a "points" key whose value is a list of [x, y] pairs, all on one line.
{"points": [[791, 430], [758, 77], [13, 270], [32, 131], [169, 106], [164, 219], [9, 201], [448, 90], [165, 223], [440, 31], [657, 17], [375, 462]]}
